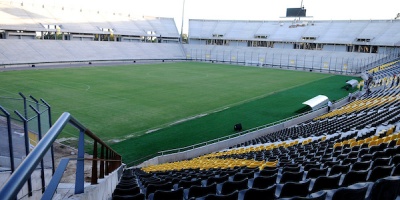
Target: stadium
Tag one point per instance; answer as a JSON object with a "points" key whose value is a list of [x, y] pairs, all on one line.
{"points": [[102, 104]]}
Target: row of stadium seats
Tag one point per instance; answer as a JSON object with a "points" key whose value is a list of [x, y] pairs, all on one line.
{"points": [[176, 186]]}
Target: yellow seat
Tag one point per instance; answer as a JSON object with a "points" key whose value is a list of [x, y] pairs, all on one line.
{"points": [[386, 139], [336, 145], [379, 141], [373, 143], [352, 140], [354, 144]]}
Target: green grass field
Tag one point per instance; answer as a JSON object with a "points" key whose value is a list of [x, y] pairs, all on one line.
{"points": [[126, 102]]}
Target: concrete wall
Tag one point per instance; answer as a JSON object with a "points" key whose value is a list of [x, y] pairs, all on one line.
{"points": [[101, 191]]}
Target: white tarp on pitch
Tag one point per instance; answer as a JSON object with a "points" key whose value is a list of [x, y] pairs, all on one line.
{"points": [[353, 83], [317, 102]]}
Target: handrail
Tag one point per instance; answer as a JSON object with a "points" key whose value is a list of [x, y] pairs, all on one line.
{"points": [[28, 165]]}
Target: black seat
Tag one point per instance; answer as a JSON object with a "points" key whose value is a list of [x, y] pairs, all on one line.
{"points": [[354, 177], [362, 152], [256, 193], [396, 171], [229, 172], [198, 191], [341, 156], [127, 191], [366, 157], [361, 166], [151, 188], [292, 189], [231, 196], [326, 183], [373, 149], [127, 186], [290, 169], [349, 161], [350, 193], [241, 176], [188, 184], [217, 180], [307, 167], [395, 160], [231, 186], [267, 172], [385, 188], [315, 173], [346, 150], [379, 172], [392, 143], [380, 162], [382, 146], [291, 177], [331, 163], [336, 169], [153, 180], [262, 182], [390, 151], [139, 196], [378, 154], [159, 195], [316, 196], [353, 154]]}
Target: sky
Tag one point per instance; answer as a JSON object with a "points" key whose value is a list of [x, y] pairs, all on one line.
{"points": [[240, 9]]}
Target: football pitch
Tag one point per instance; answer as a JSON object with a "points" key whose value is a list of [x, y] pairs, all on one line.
{"points": [[142, 109]]}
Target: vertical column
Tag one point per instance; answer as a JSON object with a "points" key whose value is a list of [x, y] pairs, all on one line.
{"points": [[80, 176], [50, 124], [94, 164], [40, 137], [10, 143], [102, 162], [26, 138], [107, 161]]}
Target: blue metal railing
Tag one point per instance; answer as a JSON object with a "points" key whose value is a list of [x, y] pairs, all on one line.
{"points": [[110, 162]]}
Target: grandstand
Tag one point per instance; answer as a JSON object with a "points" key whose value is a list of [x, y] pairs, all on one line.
{"points": [[351, 152]]}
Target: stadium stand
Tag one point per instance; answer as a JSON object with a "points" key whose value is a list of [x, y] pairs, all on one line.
{"points": [[72, 22], [287, 44], [332, 35], [34, 34], [351, 151], [340, 62], [37, 51]]}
